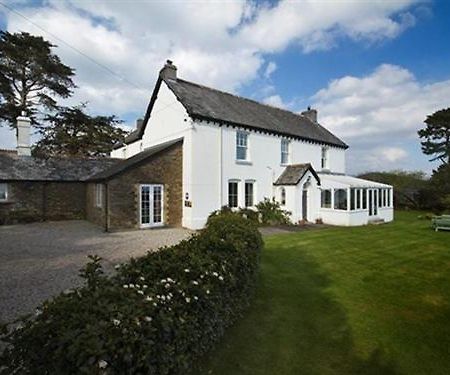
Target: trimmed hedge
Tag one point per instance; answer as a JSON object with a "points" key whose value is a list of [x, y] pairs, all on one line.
{"points": [[156, 315]]}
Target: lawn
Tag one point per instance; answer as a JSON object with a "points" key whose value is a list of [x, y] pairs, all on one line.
{"points": [[366, 300]]}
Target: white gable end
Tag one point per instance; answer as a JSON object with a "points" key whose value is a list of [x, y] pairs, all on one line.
{"points": [[168, 120]]}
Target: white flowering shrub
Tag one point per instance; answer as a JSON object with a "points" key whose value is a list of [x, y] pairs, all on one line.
{"points": [[156, 315]]}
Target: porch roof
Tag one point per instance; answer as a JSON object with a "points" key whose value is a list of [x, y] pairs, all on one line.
{"points": [[338, 180]]}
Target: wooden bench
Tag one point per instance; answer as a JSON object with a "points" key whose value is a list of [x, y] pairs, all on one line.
{"points": [[441, 222]]}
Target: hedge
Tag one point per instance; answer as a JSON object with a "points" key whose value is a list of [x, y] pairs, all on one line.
{"points": [[156, 315]]}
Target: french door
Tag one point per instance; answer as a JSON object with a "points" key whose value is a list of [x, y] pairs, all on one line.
{"points": [[151, 205]]}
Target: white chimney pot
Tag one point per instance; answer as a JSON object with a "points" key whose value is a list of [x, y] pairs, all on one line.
{"points": [[23, 136]]}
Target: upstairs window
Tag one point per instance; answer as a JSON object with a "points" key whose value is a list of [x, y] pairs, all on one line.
{"points": [[241, 145], [232, 194], [3, 192], [284, 151], [325, 161], [249, 193], [98, 195], [326, 198]]}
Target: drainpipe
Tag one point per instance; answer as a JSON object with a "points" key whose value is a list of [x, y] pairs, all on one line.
{"points": [[106, 208]]}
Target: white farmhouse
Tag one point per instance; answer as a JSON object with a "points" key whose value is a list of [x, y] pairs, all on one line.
{"points": [[236, 152]]}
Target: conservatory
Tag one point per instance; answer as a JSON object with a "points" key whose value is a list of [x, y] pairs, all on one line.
{"points": [[349, 201]]}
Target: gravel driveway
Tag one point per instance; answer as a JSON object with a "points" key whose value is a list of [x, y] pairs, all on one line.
{"points": [[40, 260]]}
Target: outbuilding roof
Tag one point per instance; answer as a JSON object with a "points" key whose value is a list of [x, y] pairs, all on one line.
{"points": [[14, 167], [134, 160], [294, 173]]}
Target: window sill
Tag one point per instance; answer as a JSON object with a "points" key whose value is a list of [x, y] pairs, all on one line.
{"points": [[244, 162]]}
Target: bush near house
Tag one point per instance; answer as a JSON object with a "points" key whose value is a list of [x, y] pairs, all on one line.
{"points": [[272, 213], [156, 315], [266, 212]]}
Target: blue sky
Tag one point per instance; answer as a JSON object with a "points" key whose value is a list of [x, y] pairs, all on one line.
{"points": [[373, 69]]}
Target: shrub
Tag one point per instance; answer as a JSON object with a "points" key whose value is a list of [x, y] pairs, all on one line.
{"points": [[156, 315], [272, 213]]}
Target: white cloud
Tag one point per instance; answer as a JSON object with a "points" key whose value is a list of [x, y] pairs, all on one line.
{"points": [[222, 44], [275, 101], [270, 68], [375, 111]]}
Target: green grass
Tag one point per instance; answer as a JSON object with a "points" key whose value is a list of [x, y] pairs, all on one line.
{"points": [[366, 300]]}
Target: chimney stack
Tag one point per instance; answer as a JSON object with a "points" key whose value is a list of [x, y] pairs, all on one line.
{"points": [[169, 71], [139, 123], [23, 135], [311, 114]]}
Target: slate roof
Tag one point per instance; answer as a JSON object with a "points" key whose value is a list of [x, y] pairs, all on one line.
{"points": [[206, 103], [294, 173], [26, 168], [127, 163]]}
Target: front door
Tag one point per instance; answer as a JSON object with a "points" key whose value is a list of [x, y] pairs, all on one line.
{"points": [[151, 205], [305, 205]]}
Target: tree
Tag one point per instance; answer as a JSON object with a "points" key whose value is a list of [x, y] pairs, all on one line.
{"points": [[408, 186], [31, 76], [436, 136], [72, 132]]}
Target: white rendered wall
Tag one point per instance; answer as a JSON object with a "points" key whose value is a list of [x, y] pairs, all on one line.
{"points": [[169, 120], [214, 164]]}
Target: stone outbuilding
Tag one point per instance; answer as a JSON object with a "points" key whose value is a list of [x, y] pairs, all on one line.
{"points": [[139, 192]]}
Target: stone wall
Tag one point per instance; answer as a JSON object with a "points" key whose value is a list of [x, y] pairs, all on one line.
{"points": [[123, 190], [30, 201]]}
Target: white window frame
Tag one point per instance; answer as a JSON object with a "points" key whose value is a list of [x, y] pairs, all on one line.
{"points": [[325, 155], [99, 195], [6, 191], [151, 223], [285, 151], [237, 193], [252, 182], [242, 143]]}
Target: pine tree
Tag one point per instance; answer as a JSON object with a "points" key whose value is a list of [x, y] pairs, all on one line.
{"points": [[31, 77], [436, 136], [72, 132]]}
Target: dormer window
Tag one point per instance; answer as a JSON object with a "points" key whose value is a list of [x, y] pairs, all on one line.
{"points": [[284, 151], [325, 158], [241, 146]]}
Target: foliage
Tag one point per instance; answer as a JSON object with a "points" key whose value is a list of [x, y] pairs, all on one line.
{"points": [[408, 186], [72, 132], [436, 136], [272, 213], [156, 315], [31, 76], [346, 301], [436, 195]]}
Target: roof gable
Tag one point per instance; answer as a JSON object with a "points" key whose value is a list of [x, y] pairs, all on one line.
{"points": [[293, 174]]}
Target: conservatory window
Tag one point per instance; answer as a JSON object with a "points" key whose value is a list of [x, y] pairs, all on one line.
{"points": [[340, 199], [326, 198]]}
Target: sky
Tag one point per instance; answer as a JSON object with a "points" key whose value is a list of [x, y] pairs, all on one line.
{"points": [[373, 69]]}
